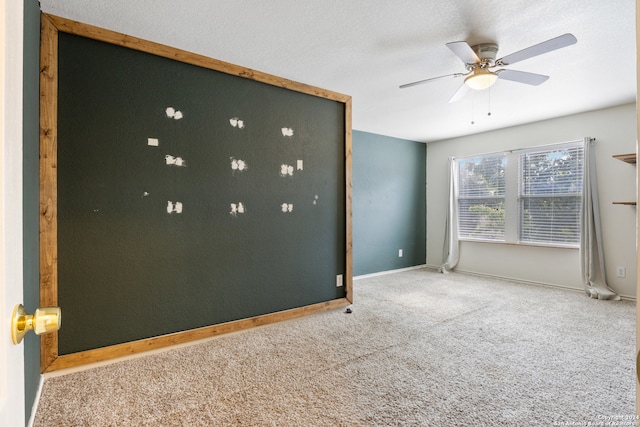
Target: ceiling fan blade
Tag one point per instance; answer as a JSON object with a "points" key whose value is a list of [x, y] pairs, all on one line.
{"points": [[419, 82], [522, 77], [464, 52], [538, 49], [460, 93]]}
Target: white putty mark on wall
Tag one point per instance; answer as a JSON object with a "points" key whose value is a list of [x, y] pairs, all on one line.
{"points": [[286, 207], [236, 122], [145, 194], [172, 113], [238, 165], [153, 142], [299, 165], [287, 132], [315, 200], [237, 208], [286, 170], [174, 207], [176, 161]]}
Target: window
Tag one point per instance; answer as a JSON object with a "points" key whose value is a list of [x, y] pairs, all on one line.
{"points": [[529, 196], [551, 196], [481, 197]]}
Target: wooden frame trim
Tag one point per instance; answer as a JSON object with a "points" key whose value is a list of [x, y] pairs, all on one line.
{"points": [[50, 27], [348, 202], [48, 183]]}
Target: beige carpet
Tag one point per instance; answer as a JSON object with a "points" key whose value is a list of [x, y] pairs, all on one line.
{"points": [[419, 349]]}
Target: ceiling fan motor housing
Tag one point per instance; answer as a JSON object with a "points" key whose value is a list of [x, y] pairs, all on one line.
{"points": [[487, 53]]}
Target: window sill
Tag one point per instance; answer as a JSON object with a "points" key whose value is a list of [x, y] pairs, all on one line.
{"points": [[537, 245]]}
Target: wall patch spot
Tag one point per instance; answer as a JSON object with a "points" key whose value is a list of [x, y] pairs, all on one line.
{"points": [[286, 207], [172, 113], [299, 165], [175, 161], [237, 208], [174, 207], [153, 142], [238, 164], [287, 132], [286, 170], [315, 200], [236, 122]]}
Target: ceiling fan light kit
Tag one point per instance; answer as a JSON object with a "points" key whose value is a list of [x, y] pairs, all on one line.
{"points": [[480, 62], [481, 79]]}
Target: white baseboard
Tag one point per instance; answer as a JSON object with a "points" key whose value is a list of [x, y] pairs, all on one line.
{"points": [[382, 273], [36, 402], [528, 282]]}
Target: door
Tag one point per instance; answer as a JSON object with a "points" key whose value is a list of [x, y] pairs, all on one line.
{"points": [[12, 398], [637, 217]]}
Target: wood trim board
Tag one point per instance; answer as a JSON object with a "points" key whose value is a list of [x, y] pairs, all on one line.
{"points": [[51, 27]]}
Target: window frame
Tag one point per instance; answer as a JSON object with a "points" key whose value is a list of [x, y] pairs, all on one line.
{"points": [[513, 198]]}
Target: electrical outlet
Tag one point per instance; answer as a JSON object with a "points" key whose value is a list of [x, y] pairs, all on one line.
{"points": [[621, 271], [399, 253], [338, 280]]}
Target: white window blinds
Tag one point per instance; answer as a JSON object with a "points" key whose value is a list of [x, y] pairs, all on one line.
{"points": [[481, 197], [550, 191]]}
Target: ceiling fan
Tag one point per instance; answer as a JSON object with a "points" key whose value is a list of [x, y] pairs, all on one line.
{"points": [[480, 62]]}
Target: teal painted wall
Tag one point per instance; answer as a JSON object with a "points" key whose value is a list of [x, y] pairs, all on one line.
{"points": [[30, 192], [389, 203]]}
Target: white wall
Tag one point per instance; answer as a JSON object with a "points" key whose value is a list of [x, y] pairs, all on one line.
{"points": [[615, 132]]}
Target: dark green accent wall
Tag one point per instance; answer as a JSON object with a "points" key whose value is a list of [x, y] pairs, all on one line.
{"points": [[30, 192], [132, 263], [389, 203]]}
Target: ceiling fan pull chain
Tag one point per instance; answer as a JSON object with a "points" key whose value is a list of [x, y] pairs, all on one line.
{"points": [[473, 103]]}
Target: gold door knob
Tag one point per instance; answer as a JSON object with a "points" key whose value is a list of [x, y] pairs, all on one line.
{"points": [[43, 321]]}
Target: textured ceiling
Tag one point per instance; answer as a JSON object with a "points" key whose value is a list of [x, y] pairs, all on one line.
{"points": [[366, 49]]}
